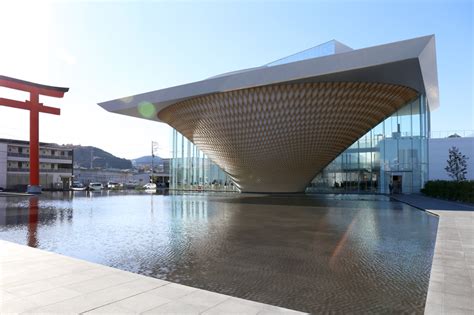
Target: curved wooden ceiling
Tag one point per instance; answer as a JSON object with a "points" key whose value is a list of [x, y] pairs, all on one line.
{"points": [[276, 138]]}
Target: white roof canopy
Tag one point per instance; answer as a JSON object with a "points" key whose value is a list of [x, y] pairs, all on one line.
{"points": [[410, 63]]}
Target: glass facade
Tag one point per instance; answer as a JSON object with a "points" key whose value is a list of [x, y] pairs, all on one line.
{"points": [[392, 157], [330, 48], [192, 170]]}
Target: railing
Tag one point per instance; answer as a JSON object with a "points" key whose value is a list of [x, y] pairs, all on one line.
{"points": [[205, 187], [59, 170], [42, 156], [448, 133]]}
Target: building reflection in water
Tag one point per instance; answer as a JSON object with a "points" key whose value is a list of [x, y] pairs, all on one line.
{"points": [[321, 254], [184, 207], [27, 216]]}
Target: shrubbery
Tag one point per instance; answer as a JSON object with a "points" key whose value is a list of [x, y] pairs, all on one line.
{"points": [[450, 190]]}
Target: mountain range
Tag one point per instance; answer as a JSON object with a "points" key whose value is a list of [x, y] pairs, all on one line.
{"points": [[93, 157], [146, 160]]}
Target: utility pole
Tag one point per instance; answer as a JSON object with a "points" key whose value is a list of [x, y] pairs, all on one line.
{"points": [[154, 148], [91, 158], [152, 159]]}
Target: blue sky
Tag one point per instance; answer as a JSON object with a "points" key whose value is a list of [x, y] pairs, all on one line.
{"points": [[104, 50]]}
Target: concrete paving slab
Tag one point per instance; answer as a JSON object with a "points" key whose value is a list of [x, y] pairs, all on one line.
{"points": [[34, 281], [451, 288]]}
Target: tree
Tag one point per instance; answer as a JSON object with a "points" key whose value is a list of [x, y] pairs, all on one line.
{"points": [[457, 165]]}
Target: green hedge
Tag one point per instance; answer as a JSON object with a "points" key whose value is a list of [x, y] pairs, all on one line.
{"points": [[450, 190]]}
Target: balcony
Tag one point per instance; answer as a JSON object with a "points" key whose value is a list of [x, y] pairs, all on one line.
{"points": [[42, 171], [42, 156]]}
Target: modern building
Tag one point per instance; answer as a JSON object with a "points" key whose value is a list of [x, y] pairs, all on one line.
{"points": [[55, 165], [329, 117]]}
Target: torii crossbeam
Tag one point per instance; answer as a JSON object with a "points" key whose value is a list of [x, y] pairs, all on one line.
{"points": [[35, 107]]}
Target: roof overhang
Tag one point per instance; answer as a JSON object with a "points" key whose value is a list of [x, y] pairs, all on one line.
{"points": [[410, 63]]}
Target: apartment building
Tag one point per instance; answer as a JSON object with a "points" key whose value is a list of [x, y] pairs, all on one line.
{"points": [[56, 163]]}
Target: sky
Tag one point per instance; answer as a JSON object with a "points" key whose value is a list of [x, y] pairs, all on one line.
{"points": [[104, 50]]}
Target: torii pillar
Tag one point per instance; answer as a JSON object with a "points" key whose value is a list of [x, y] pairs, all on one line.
{"points": [[35, 107]]}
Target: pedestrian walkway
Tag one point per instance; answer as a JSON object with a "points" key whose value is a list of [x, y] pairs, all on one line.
{"points": [[36, 281], [451, 287]]}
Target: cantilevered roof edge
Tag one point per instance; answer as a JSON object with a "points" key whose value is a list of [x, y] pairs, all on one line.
{"points": [[421, 48]]}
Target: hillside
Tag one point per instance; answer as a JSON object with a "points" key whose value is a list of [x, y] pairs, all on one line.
{"points": [[146, 160], [98, 158]]}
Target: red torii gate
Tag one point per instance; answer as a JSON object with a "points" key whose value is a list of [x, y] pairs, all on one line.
{"points": [[35, 107]]}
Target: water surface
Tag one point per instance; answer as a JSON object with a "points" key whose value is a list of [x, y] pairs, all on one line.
{"points": [[329, 254]]}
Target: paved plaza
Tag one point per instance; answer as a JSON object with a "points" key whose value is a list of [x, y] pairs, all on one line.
{"points": [[451, 288], [36, 281]]}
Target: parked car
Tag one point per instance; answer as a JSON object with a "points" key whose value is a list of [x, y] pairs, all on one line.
{"points": [[112, 185], [149, 186], [96, 186], [78, 186]]}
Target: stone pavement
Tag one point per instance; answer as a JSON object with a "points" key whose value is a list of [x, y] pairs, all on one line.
{"points": [[451, 287], [36, 281]]}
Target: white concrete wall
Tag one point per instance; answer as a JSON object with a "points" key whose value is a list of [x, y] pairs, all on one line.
{"points": [[3, 165], [439, 152]]}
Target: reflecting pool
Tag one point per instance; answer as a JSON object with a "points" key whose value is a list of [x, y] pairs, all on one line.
{"points": [[323, 253]]}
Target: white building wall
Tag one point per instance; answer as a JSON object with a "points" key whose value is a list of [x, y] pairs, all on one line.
{"points": [[439, 152], [3, 165], [51, 172]]}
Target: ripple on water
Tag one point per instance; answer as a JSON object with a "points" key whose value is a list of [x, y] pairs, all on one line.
{"points": [[320, 254]]}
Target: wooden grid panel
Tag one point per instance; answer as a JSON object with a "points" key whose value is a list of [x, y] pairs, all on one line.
{"points": [[276, 138]]}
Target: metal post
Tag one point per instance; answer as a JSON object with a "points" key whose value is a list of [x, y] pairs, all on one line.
{"points": [[152, 163]]}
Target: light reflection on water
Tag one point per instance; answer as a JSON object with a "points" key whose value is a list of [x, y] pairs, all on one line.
{"points": [[311, 253]]}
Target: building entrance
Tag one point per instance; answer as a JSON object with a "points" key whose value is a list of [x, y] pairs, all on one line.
{"points": [[397, 184]]}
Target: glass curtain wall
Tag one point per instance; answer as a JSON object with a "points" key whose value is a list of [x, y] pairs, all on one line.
{"points": [[191, 169], [390, 158]]}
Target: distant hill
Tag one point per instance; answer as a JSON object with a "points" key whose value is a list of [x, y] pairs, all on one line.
{"points": [[100, 158], [146, 160]]}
